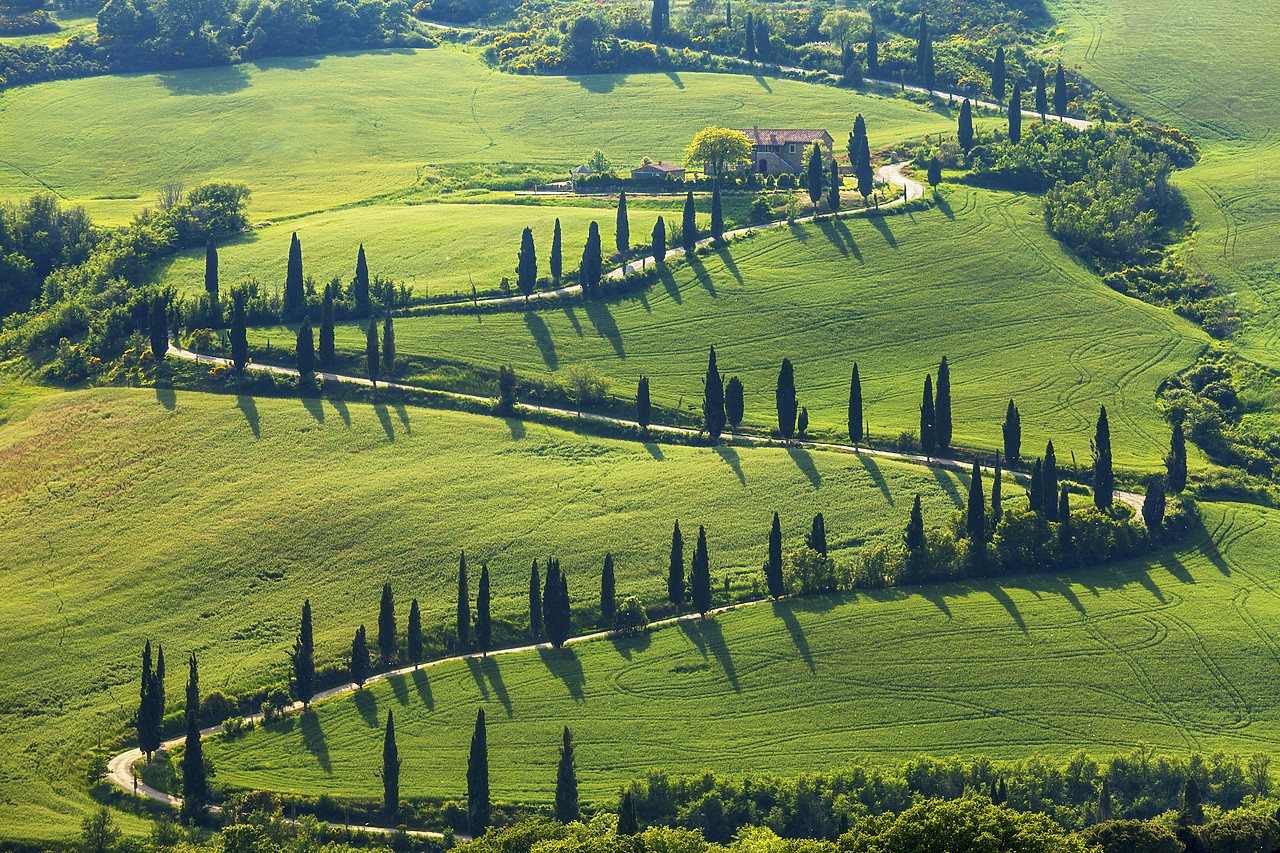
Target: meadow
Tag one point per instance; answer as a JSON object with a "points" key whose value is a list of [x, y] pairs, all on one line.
{"points": [[203, 521], [1017, 316], [315, 133], [1179, 652]]}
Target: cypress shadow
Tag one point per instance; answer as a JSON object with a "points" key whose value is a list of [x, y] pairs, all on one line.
{"points": [[571, 316], [654, 450], [764, 83], [489, 667], [385, 419], [730, 456], [1003, 597], [945, 207], [837, 239], [564, 665], [601, 318], [314, 408], [516, 426], [341, 408], [843, 230], [367, 705], [423, 686], [700, 272], [404, 417], [873, 470], [675, 78], [399, 688], [166, 397], [715, 641], [948, 485], [805, 463], [246, 405], [935, 597], [727, 259], [626, 645], [782, 610], [313, 738], [542, 337], [669, 282], [878, 220], [690, 630]]}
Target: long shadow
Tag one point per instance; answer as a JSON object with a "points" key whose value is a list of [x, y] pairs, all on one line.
{"points": [[1144, 578], [166, 397], [675, 78], [314, 407], [690, 629], [572, 317], [873, 470], [601, 84], [403, 414], [516, 426], [730, 456], [473, 666], [764, 83], [489, 667], [399, 688], [625, 646], [726, 257], [669, 282], [423, 685], [292, 63], [654, 450], [878, 220], [367, 705], [246, 404], [1209, 548], [805, 463], [843, 230], [601, 318], [385, 419], [1063, 588], [341, 408], [542, 338], [935, 597], [828, 228], [948, 485], [313, 738], [700, 272], [1175, 567], [715, 640], [945, 207], [783, 611], [226, 80], [1003, 597], [564, 665]]}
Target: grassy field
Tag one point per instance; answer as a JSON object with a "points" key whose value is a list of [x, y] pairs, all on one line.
{"points": [[312, 134], [1014, 313], [203, 521], [75, 22], [1180, 652]]}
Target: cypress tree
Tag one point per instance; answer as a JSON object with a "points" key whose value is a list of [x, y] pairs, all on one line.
{"points": [[675, 568], [145, 719], [303, 658], [305, 349], [1104, 480], [1153, 505], [484, 626], [527, 264], [763, 49], [817, 538], [360, 284], [478, 805], [1049, 483], [700, 575], [785, 399], [557, 260], [564, 612], [976, 520], [1176, 462], [390, 769], [815, 174], [1015, 113], [159, 327], [608, 591], [1104, 800], [1003, 792], [359, 658], [749, 41], [371, 351], [655, 21], [833, 194], [659, 242], [195, 790], [464, 605], [589, 271], [1035, 493], [995, 493], [964, 129], [550, 594], [855, 407], [386, 627], [1060, 92], [157, 692], [924, 54], [773, 567], [295, 300], [717, 214], [733, 403], [873, 52], [863, 171], [326, 330], [1042, 102], [713, 415], [915, 529], [566, 782], [643, 411], [627, 824], [415, 634], [389, 345], [535, 603], [689, 224], [728, 16], [998, 76], [239, 334], [928, 434], [934, 174], [852, 146], [211, 269], [802, 423], [622, 232], [1192, 804], [506, 402], [1066, 542], [1012, 430], [859, 134]]}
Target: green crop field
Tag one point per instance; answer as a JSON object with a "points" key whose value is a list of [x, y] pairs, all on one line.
{"points": [[202, 522], [312, 134], [1180, 652], [72, 23], [1016, 315]]}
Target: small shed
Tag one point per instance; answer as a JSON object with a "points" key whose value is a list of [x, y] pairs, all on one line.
{"points": [[658, 171]]}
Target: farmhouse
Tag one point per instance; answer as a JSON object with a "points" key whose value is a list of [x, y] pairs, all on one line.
{"points": [[777, 151], [658, 171]]}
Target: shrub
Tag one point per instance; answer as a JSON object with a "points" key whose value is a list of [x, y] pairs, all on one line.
{"points": [[806, 571], [631, 620], [760, 210]]}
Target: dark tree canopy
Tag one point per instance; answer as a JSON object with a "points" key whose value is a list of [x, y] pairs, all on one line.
{"points": [[535, 602], [700, 574], [975, 517], [326, 330], [158, 326], [1176, 462], [749, 39], [239, 332], [295, 300], [998, 75], [643, 410], [833, 194], [1060, 95], [195, 789], [371, 350], [387, 627], [734, 406], [855, 406], [914, 538], [817, 538], [1154, 504], [764, 51], [689, 221], [928, 436], [478, 805], [934, 173], [1104, 480], [608, 591], [1012, 430], [359, 657], [566, 806], [773, 565], [414, 634], [303, 659], [592, 261], [305, 350], [360, 284], [815, 172], [713, 415], [995, 491], [717, 215], [463, 621], [390, 769], [964, 128], [484, 625], [659, 242], [675, 568], [388, 345], [527, 264], [785, 399], [873, 51], [211, 268], [1015, 113], [1042, 103], [1049, 483], [622, 233], [627, 823], [924, 54]]}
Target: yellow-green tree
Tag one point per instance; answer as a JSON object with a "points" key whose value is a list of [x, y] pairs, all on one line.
{"points": [[716, 148]]}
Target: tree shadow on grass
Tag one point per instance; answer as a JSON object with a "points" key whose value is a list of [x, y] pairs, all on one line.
{"points": [[935, 596], [564, 665], [764, 83], [166, 397], [710, 628], [572, 317], [675, 78], [805, 463], [516, 426], [600, 84], [700, 272], [948, 485], [399, 688], [655, 451], [423, 685], [602, 319], [873, 470], [837, 239], [385, 419], [542, 338], [782, 610], [669, 282], [945, 207], [878, 220], [730, 456], [314, 408], [1003, 597], [726, 257], [246, 404], [313, 738], [341, 408], [626, 646], [486, 670], [403, 414], [367, 705], [225, 80]]}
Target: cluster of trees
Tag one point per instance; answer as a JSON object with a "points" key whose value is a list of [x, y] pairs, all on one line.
{"points": [[147, 719]]}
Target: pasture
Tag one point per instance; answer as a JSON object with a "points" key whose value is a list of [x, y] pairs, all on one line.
{"points": [[976, 279], [203, 521], [1179, 652]]}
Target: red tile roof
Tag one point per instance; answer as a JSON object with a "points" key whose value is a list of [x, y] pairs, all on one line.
{"points": [[661, 167], [760, 136]]}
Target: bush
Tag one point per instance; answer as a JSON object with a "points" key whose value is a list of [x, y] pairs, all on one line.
{"points": [[631, 620], [806, 571], [760, 210]]}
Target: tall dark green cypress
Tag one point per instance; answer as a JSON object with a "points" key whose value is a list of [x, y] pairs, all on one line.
{"points": [[589, 270], [527, 264], [764, 50], [1176, 462], [535, 603], [627, 823], [855, 407], [873, 52], [924, 54], [305, 350], [484, 625], [928, 435], [833, 194], [360, 284], [622, 232], [995, 492], [326, 330], [717, 215], [784, 397], [388, 345], [914, 538], [1012, 431], [1154, 503], [700, 575], [749, 39], [1192, 803], [659, 242], [414, 634], [1104, 480], [371, 350], [566, 782], [713, 416], [386, 627], [1066, 543], [865, 175], [359, 657], [964, 128], [211, 269], [675, 568], [643, 410], [145, 719], [478, 805], [814, 175], [773, 567], [158, 326], [1049, 483], [998, 76], [1060, 92], [1042, 101], [942, 407], [557, 258], [1035, 488], [689, 222], [975, 518], [295, 300], [608, 591], [303, 659], [817, 538], [464, 605], [734, 407], [1015, 113], [390, 769], [239, 333], [550, 592], [157, 690], [195, 789]]}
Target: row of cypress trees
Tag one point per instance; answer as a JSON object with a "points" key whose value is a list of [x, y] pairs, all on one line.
{"points": [[147, 719]]}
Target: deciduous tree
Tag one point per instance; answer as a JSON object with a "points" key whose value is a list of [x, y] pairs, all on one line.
{"points": [[566, 807], [478, 805], [716, 149]]}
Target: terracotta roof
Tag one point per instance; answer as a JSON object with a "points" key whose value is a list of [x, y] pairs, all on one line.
{"points": [[761, 136], [582, 170], [661, 167]]}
